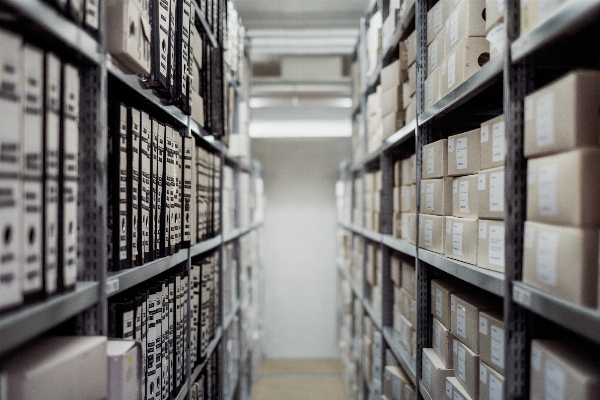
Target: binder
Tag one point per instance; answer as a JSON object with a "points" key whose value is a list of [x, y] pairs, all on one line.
{"points": [[180, 95], [68, 186], [177, 174], [161, 227], [178, 332], [145, 143], [215, 195], [203, 193], [150, 345], [52, 85], [91, 19], [184, 323], [193, 196], [144, 300], [167, 204], [194, 310], [166, 354], [158, 342], [153, 180], [121, 317], [133, 167], [187, 190], [31, 145], [159, 60], [172, 48], [171, 348], [206, 307]]}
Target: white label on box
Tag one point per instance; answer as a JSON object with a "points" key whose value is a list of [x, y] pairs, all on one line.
{"points": [[482, 373], [433, 55], [498, 346], [496, 37], [483, 325], [457, 396], [438, 337], [430, 99], [529, 234], [536, 358], [496, 246], [449, 389], [430, 160], [461, 364], [438, 302], [497, 192], [428, 373], [461, 320], [544, 120], [450, 145], [481, 182], [530, 173], [455, 345], [555, 381], [528, 106], [438, 22], [454, 28], [546, 257], [498, 142], [429, 18], [429, 233], [482, 230], [495, 388], [463, 197], [457, 238], [485, 133], [461, 153], [501, 6], [429, 197], [451, 70], [547, 189]]}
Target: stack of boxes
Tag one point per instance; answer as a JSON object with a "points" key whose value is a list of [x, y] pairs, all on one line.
{"points": [[373, 184], [405, 199], [374, 42], [374, 126], [404, 278], [457, 46], [392, 106], [375, 276], [396, 385], [495, 31], [372, 356]]}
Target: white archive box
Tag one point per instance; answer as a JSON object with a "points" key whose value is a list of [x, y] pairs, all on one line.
{"points": [[124, 369], [491, 245], [492, 143], [491, 383], [436, 196], [490, 193], [431, 233], [464, 153], [465, 202], [461, 239], [466, 367]]}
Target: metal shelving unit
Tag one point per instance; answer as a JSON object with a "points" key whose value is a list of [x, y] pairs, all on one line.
{"points": [[206, 246], [399, 245], [400, 352]]}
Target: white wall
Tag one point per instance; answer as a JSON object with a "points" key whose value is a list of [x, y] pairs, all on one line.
{"points": [[299, 244]]}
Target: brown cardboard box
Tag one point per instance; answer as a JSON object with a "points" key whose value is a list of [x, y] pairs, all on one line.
{"points": [[490, 193], [562, 371], [393, 381], [563, 115], [491, 383], [409, 278], [405, 199], [431, 233], [467, 20], [468, 56], [490, 245], [441, 291], [436, 18], [435, 53], [464, 153], [465, 315], [124, 369], [455, 390], [407, 332], [465, 202], [434, 374], [391, 101], [413, 198], [391, 123], [564, 188], [411, 110], [466, 368], [494, 13], [396, 274], [409, 227], [496, 37], [442, 342], [436, 196], [532, 13], [562, 261], [33, 372], [390, 76], [435, 160], [409, 175], [397, 225], [411, 48], [408, 307], [398, 173], [491, 339], [128, 37], [432, 88], [493, 143]]}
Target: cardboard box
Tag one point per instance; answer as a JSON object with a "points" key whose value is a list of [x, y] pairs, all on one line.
{"points": [[436, 196], [435, 160], [397, 225], [411, 110], [124, 369], [466, 368], [432, 88], [442, 342], [464, 153], [563, 115], [391, 123], [467, 20], [408, 306], [409, 228], [564, 188], [496, 37], [403, 60], [431, 233], [494, 13], [561, 371], [490, 193], [396, 270], [407, 334], [398, 174], [411, 48], [441, 292], [128, 37], [493, 143], [562, 261], [435, 53], [490, 245], [197, 106], [407, 204], [409, 175], [491, 383], [391, 101], [491, 339], [465, 202], [434, 374], [409, 278], [468, 56], [455, 390], [411, 87], [465, 315], [391, 76], [436, 18], [33, 372], [393, 381], [534, 12]]}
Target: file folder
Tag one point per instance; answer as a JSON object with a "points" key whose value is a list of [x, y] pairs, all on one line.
{"points": [[160, 24], [158, 342], [172, 319], [146, 134], [182, 52], [133, 149], [178, 331], [121, 317], [153, 183], [150, 345], [172, 47], [176, 204], [161, 226], [169, 187], [166, 354], [142, 307]]}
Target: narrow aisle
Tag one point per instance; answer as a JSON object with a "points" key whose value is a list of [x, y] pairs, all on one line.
{"points": [[300, 380]]}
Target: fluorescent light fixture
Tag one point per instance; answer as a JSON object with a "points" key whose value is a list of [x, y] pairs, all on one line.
{"points": [[300, 129]]}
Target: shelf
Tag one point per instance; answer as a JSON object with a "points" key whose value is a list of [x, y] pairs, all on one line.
{"points": [[401, 136], [23, 324], [205, 246], [400, 352], [403, 23], [209, 351], [400, 245], [135, 84], [490, 281], [57, 25], [424, 392], [202, 18], [567, 20], [374, 317], [229, 318], [117, 282], [239, 232], [183, 392], [481, 80], [582, 320]]}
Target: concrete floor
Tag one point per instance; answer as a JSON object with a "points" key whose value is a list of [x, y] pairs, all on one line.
{"points": [[300, 380]]}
